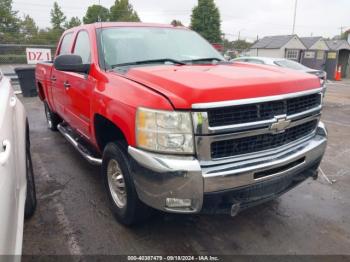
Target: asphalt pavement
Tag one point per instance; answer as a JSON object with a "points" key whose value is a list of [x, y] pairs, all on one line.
{"points": [[73, 216]]}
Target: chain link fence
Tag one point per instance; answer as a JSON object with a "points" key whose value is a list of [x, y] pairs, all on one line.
{"points": [[16, 53]]}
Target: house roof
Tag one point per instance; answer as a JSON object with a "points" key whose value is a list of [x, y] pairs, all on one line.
{"points": [[273, 42], [336, 45], [310, 41]]}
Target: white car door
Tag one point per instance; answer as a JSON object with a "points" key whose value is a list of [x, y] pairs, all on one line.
{"points": [[9, 180]]}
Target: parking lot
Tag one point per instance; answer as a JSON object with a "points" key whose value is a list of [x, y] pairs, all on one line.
{"points": [[73, 215]]}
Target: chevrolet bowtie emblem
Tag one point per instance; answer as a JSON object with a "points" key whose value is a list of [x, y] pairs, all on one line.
{"points": [[280, 125]]}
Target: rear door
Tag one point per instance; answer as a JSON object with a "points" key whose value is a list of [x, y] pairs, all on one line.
{"points": [[8, 173], [79, 87], [58, 78]]}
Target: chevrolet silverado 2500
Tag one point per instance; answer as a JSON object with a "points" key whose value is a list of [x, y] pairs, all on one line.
{"points": [[174, 126]]}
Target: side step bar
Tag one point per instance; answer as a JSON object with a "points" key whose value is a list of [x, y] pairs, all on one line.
{"points": [[75, 140]]}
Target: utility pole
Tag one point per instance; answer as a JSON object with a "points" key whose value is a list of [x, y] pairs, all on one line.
{"points": [[239, 33], [99, 15], [341, 30], [295, 16]]}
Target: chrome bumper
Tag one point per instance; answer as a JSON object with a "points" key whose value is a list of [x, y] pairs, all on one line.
{"points": [[161, 177]]}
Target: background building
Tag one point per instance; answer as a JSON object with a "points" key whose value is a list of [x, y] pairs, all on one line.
{"points": [[338, 55], [286, 46], [314, 52]]}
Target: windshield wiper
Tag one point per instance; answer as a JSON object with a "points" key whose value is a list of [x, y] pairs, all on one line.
{"points": [[209, 59], [153, 61]]}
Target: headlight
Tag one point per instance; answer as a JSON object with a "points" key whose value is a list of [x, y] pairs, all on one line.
{"points": [[164, 131], [323, 78], [322, 81]]}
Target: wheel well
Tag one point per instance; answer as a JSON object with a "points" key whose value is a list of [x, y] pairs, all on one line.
{"points": [[41, 92], [106, 131]]}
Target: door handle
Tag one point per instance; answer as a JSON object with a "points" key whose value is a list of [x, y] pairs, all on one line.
{"points": [[4, 156], [66, 85], [53, 78], [13, 101]]}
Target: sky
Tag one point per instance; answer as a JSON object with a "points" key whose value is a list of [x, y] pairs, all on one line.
{"points": [[247, 18]]}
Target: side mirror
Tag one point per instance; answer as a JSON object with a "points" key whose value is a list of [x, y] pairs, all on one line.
{"points": [[71, 63]]}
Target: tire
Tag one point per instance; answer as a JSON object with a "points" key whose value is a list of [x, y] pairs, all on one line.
{"points": [[31, 201], [52, 118], [120, 188]]}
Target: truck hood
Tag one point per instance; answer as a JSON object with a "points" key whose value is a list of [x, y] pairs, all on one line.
{"points": [[190, 84]]}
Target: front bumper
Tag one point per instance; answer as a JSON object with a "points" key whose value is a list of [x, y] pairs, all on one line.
{"points": [[160, 177]]}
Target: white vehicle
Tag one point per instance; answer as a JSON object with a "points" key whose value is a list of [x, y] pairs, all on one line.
{"points": [[282, 62], [17, 188]]}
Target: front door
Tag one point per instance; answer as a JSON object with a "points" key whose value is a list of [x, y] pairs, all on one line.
{"points": [[8, 170], [79, 88]]}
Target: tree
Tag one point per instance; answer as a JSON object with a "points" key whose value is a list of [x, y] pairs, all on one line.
{"points": [[73, 22], [45, 36], [241, 45], [228, 45], [57, 17], [96, 13], [205, 20], [9, 22], [123, 11], [176, 23], [28, 27]]}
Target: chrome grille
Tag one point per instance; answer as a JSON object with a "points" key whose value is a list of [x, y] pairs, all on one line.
{"points": [[255, 127], [300, 104], [261, 111], [250, 144]]}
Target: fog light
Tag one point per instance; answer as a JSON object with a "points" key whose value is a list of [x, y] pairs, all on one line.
{"points": [[177, 202]]}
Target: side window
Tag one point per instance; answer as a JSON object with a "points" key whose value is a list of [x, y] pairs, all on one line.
{"points": [[65, 45], [82, 47]]}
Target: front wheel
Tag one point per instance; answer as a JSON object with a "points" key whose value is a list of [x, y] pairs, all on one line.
{"points": [[52, 118], [122, 195]]}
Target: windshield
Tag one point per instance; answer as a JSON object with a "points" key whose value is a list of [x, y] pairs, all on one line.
{"points": [[291, 64], [132, 44]]}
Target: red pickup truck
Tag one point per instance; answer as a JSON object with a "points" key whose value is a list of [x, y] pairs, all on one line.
{"points": [[174, 126]]}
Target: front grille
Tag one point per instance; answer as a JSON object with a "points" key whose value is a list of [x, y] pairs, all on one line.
{"points": [[261, 111], [245, 145]]}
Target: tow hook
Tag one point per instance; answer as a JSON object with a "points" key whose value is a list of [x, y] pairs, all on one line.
{"points": [[235, 209]]}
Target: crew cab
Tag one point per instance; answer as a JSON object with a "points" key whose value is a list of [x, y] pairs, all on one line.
{"points": [[174, 126], [17, 187]]}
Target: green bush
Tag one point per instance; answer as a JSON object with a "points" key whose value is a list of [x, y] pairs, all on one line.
{"points": [[13, 59]]}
